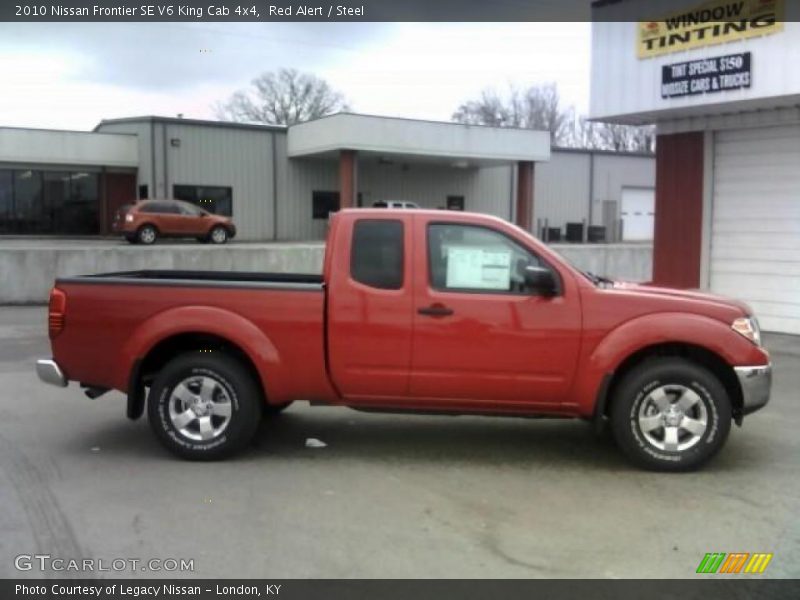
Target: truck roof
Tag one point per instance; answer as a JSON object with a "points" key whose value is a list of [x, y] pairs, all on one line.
{"points": [[435, 212]]}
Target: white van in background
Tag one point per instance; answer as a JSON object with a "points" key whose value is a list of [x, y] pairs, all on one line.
{"points": [[394, 204]]}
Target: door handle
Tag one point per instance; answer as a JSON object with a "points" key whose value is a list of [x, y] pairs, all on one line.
{"points": [[435, 310]]}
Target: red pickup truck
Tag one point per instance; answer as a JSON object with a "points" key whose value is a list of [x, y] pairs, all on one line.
{"points": [[416, 311]]}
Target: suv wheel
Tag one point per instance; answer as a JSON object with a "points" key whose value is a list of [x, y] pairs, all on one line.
{"points": [[218, 235], [670, 414], [204, 407], [147, 234]]}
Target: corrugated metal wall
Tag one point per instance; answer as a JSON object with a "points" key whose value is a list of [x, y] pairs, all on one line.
{"points": [[612, 173], [297, 179], [216, 156], [561, 189]]}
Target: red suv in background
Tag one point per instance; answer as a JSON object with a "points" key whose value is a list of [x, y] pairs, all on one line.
{"points": [[145, 221]]}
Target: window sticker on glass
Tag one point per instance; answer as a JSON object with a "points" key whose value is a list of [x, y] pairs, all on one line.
{"points": [[478, 268]]}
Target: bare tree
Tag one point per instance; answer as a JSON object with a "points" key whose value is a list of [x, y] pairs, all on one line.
{"points": [[626, 138], [282, 97], [583, 133], [490, 109], [537, 107], [540, 107]]}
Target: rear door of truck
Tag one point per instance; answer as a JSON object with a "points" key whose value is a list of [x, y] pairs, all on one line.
{"points": [[370, 305]]}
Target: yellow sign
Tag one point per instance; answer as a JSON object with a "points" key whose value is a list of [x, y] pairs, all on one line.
{"points": [[711, 23]]}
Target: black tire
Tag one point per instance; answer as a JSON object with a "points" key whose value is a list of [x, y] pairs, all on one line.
{"points": [[147, 234], [634, 409], [218, 235], [232, 382]]}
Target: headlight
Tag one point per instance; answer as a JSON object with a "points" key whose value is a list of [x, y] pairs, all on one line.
{"points": [[129, 218], [748, 327]]}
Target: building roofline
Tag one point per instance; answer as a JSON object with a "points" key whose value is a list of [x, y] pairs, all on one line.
{"points": [[633, 154], [432, 121], [51, 130], [200, 122]]}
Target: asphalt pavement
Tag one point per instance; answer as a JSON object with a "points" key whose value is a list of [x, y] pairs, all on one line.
{"points": [[386, 497]]}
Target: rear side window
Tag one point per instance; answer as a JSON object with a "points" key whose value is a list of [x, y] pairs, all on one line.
{"points": [[167, 208], [376, 257]]}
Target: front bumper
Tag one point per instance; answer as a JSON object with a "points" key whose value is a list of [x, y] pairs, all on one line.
{"points": [[49, 372], [756, 383]]}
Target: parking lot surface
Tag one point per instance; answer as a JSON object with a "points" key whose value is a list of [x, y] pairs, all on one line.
{"points": [[388, 496]]}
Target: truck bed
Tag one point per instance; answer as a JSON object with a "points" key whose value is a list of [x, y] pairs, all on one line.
{"points": [[114, 319]]}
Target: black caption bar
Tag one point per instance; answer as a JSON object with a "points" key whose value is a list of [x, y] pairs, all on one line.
{"points": [[706, 587], [292, 10], [335, 10]]}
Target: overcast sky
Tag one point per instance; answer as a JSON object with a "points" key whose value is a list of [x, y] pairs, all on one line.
{"points": [[73, 75]]}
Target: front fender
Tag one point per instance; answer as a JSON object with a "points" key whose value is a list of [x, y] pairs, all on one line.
{"points": [[206, 320], [652, 330]]}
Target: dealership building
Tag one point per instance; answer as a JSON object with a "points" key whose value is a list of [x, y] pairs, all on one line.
{"points": [[281, 183], [725, 97]]}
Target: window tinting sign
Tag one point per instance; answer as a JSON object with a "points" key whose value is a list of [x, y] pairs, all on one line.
{"points": [[706, 76]]}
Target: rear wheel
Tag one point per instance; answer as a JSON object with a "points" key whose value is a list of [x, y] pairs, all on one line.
{"points": [[204, 407], [218, 235], [147, 234], [670, 414]]}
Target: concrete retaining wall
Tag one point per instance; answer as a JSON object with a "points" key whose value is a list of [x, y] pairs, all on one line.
{"points": [[631, 262], [28, 267], [27, 272]]}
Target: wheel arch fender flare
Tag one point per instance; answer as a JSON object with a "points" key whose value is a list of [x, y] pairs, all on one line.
{"points": [[643, 332], [205, 320]]}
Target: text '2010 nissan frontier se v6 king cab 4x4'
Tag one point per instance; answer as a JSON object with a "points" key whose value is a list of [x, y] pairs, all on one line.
{"points": [[416, 311]]}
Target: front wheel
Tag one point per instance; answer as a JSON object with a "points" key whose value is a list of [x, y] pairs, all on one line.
{"points": [[670, 414], [218, 235], [204, 407]]}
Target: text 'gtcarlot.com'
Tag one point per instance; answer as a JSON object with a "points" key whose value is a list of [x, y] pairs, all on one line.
{"points": [[47, 562]]}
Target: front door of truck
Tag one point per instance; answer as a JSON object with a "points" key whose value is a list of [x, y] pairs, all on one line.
{"points": [[479, 334], [369, 308]]}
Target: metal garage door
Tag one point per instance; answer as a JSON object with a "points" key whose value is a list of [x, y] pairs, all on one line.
{"points": [[755, 236], [638, 214]]}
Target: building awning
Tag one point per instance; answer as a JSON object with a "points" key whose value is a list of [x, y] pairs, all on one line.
{"points": [[417, 141], [55, 147]]}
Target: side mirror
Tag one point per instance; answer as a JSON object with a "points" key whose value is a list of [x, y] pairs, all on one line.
{"points": [[540, 279]]}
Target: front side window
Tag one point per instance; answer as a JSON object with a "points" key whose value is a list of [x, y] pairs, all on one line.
{"points": [[476, 259], [376, 256], [189, 210]]}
